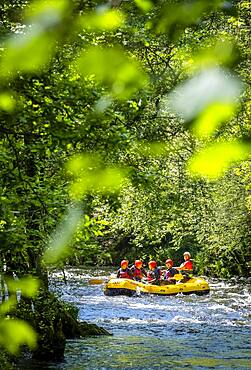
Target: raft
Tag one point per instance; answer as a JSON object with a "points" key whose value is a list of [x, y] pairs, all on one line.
{"points": [[194, 285]]}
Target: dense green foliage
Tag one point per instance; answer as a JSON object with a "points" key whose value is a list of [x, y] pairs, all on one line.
{"points": [[92, 147]]}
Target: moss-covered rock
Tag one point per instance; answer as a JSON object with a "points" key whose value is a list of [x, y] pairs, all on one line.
{"points": [[54, 321], [73, 328], [87, 329]]}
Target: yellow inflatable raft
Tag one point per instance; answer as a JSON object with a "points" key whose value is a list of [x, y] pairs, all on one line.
{"points": [[195, 285]]}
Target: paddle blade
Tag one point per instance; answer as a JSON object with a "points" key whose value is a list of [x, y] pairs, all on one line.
{"points": [[99, 280], [178, 277], [96, 281]]}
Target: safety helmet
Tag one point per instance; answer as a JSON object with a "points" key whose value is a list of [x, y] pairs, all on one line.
{"points": [[169, 261], [138, 264], [124, 263], [152, 264], [187, 254]]}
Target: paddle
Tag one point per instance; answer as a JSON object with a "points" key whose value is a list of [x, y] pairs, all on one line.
{"points": [[98, 280]]}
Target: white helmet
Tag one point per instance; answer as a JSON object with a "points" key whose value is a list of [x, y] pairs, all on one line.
{"points": [[187, 253]]}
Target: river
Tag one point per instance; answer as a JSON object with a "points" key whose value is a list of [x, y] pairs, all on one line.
{"points": [[158, 332]]}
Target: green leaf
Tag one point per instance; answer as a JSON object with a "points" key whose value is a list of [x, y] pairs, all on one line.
{"points": [[58, 247], [215, 160], [27, 52], [217, 51], [47, 13], [8, 305], [91, 174], [28, 286], [145, 5], [33, 49], [15, 333], [211, 118], [103, 180], [102, 20], [82, 162], [174, 17], [120, 73], [7, 102]]}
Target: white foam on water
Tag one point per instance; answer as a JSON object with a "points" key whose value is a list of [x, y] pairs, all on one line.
{"points": [[134, 321], [186, 320]]}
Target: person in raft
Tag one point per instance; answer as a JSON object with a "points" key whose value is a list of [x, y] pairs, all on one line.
{"points": [[170, 272], [186, 268], [154, 273], [187, 265], [138, 271], [124, 272]]}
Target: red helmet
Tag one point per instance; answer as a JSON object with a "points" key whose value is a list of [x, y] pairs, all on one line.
{"points": [[152, 264], [124, 262], [169, 261], [138, 264]]}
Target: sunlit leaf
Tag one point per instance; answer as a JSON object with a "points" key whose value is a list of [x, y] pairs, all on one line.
{"points": [[82, 162], [208, 87], [174, 17], [102, 20], [8, 305], [7, 102], [109, 179], [27, 285], [123, 75], [46, 12], [33, 49], [27, 52], [218, 51], [211, 118], [214, 160], [15, 333], [144, 5], [184, 14], [102, 180], [58, 247], [91, 174]]}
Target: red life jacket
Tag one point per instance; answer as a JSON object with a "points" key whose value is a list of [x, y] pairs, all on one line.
{"points": [[125, 274], [137, 273], [188, 265]]}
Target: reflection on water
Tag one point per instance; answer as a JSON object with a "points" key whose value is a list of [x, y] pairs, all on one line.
{"points": [[149, 352], [159, 332]]}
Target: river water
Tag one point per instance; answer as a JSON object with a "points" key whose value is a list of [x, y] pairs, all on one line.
{"points": [[158, 332]]}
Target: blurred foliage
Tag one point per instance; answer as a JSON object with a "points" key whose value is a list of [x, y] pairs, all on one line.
{"points": [[57, 247], [124, 132], [112, 67], [14, 333]]}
